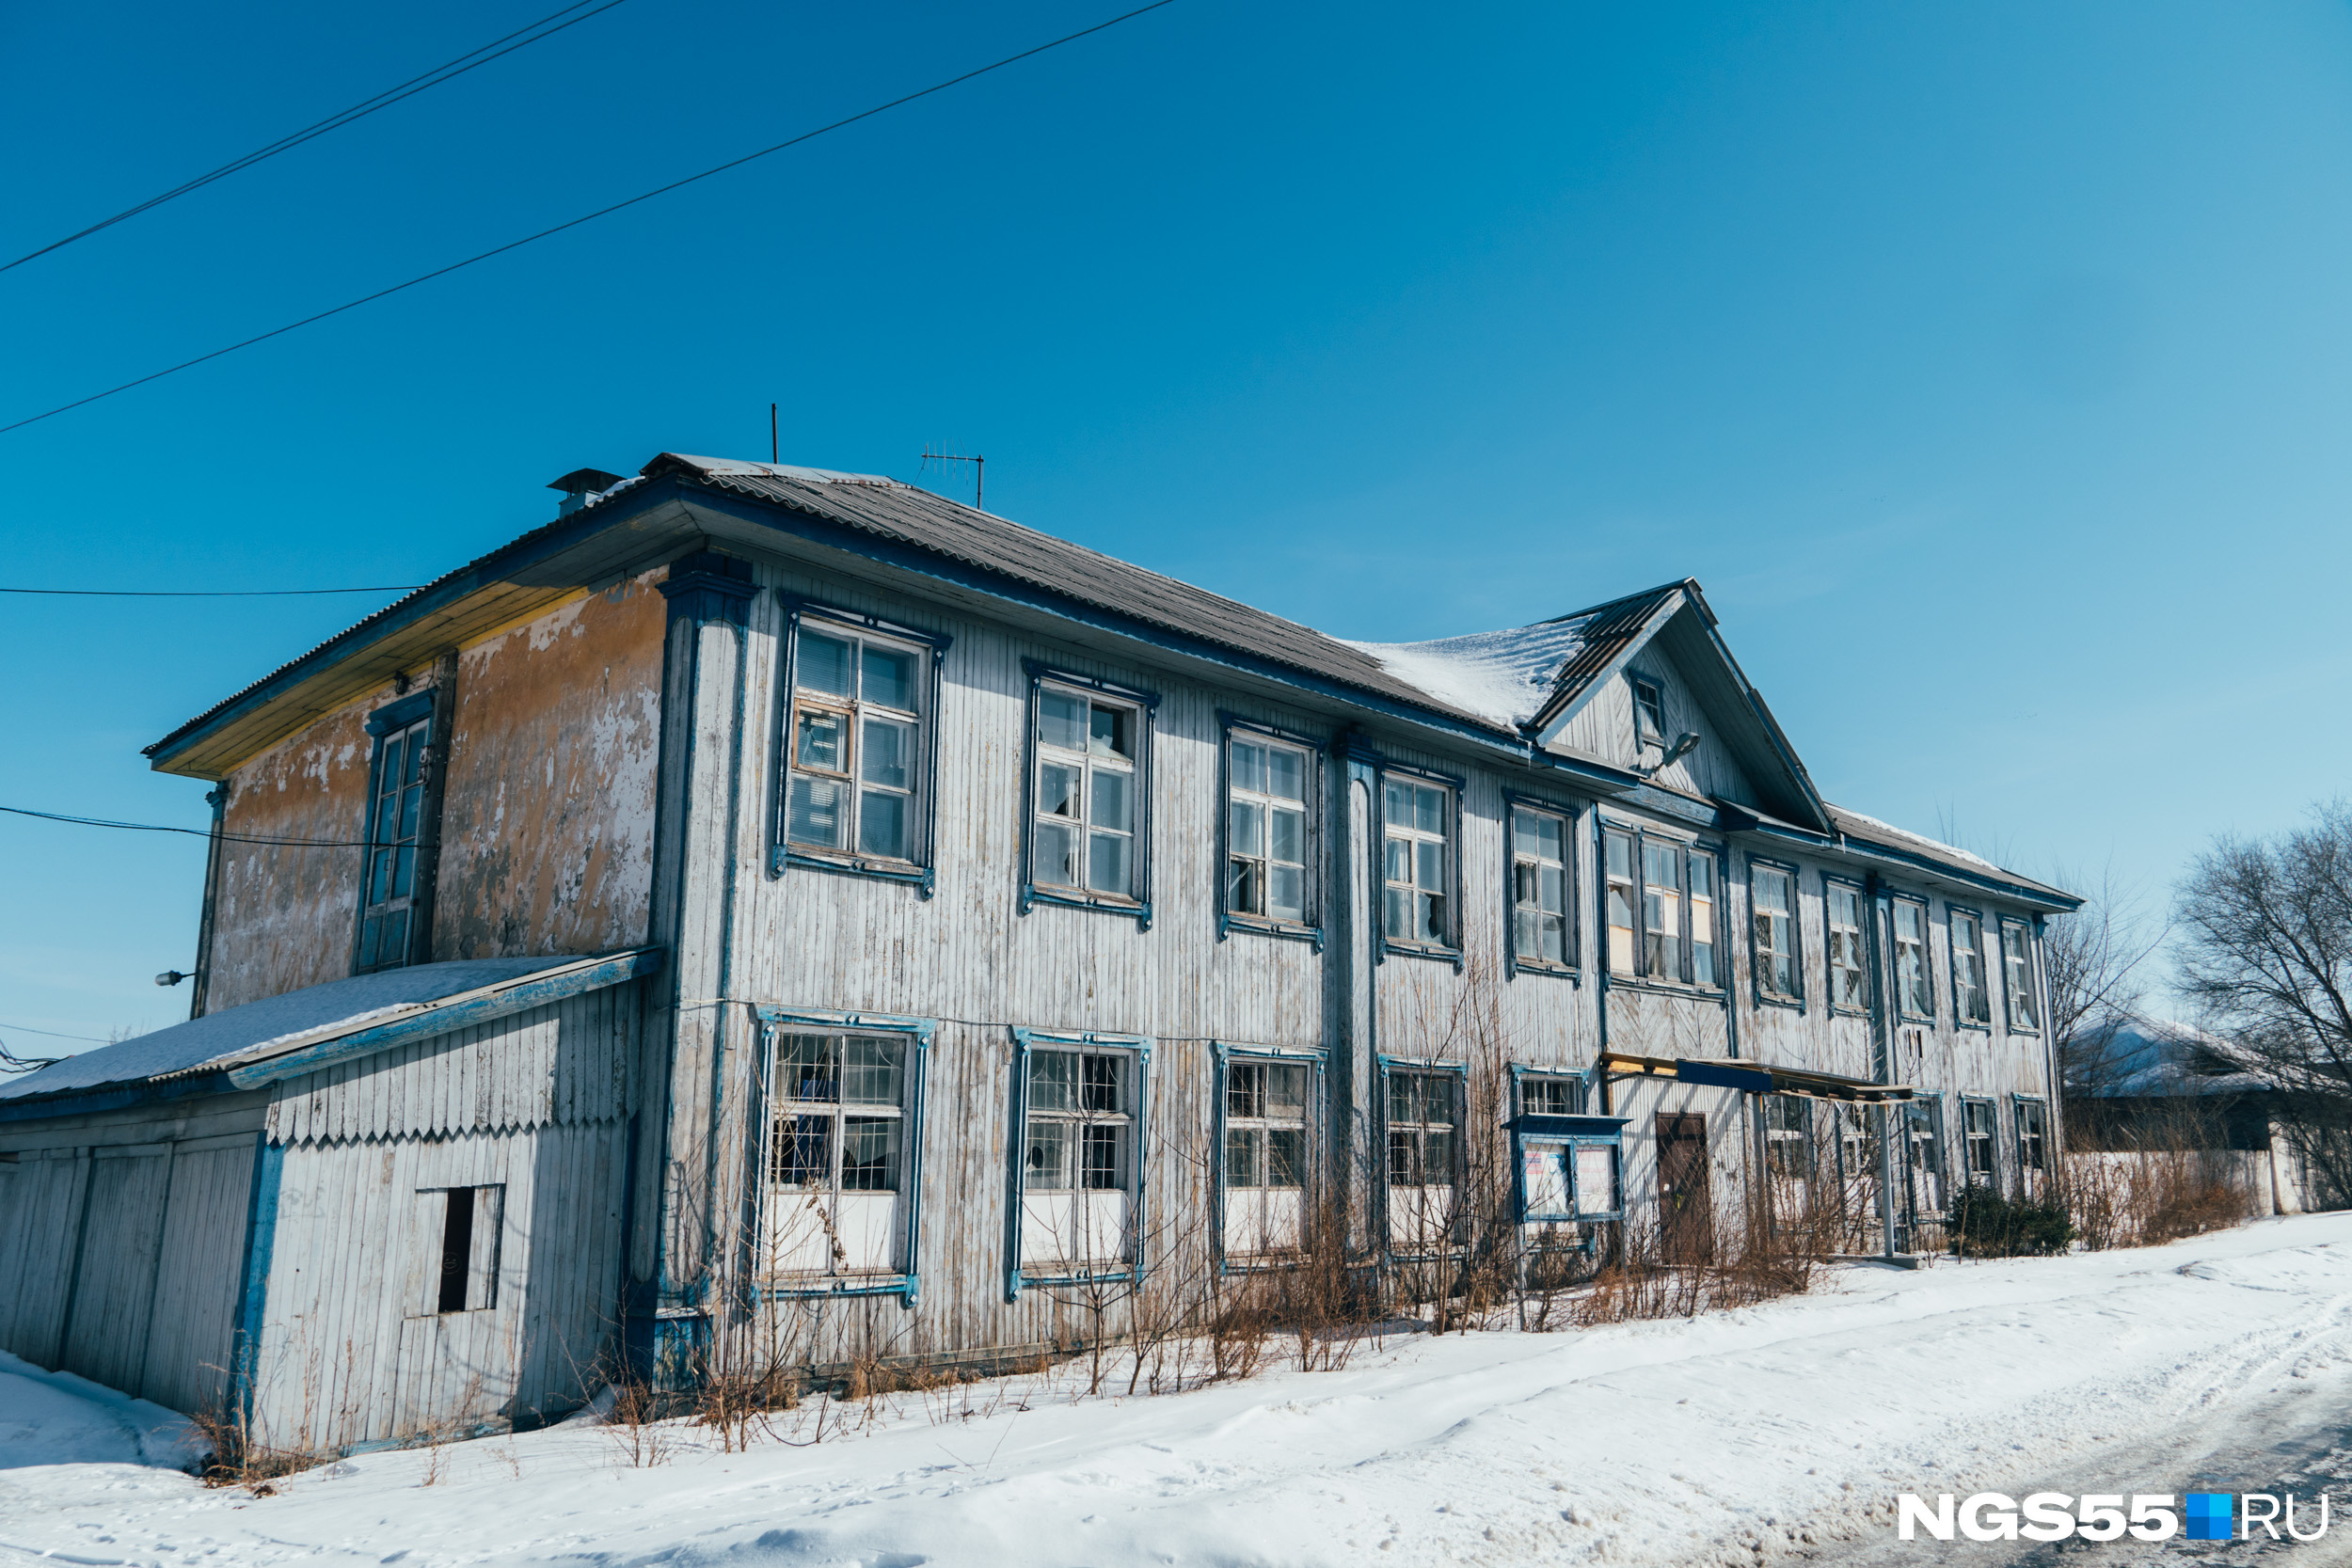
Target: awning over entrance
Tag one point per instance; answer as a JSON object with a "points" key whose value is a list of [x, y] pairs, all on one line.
{"points": [[1747, 1077]]}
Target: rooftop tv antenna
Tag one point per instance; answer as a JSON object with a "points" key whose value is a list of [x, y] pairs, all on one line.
{"points": [[979, 471], [775, 452]]}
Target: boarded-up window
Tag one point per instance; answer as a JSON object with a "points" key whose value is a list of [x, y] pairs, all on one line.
{"points": [[1424, 1148]]}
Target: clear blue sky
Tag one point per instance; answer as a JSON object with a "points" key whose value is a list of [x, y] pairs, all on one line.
{"points": [[1991, 365]]}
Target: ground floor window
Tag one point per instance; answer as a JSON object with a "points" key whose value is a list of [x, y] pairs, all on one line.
{"points": [[837, 1156], [1787, 1136], [2033, 1139], [1979, 1129], [1543, 1094], [1424, 1148], [1266, 1155], [464, 1226], [1923, 1155], [1080, 1154]]}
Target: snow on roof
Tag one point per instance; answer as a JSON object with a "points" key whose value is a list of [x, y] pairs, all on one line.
{"points": [[259, 1027], [784, 470], [2158, 1056], [1927, 844], [1499, 676]]}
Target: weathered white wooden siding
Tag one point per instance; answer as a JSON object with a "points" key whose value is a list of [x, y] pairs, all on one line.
{"points": [[352, 1348], [121, 1241], [567, 1061]]}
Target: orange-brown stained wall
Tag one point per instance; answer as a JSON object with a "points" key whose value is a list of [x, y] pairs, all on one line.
{"points": [[283, 917], [546, 821]]}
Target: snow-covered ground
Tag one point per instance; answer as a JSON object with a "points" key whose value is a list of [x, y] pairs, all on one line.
{"points": [[1733, 1437]]}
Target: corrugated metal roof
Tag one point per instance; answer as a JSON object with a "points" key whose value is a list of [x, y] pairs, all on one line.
{"points": [[904, 514], [279, 1023]]}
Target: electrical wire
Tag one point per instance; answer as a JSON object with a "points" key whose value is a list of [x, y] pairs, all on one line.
{"points": [[207, 592], [601, 211], [52, 1034], [360, 110], [193, 832]]}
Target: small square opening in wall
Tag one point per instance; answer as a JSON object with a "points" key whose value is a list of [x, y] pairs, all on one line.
{"points": [[463, 1225]]}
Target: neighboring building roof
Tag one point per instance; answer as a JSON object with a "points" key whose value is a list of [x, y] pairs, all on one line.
{"points": [[301, 1031], [2154, 1056]]}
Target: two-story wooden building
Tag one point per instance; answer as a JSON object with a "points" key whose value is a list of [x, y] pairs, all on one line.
{"points": [[764, 888]]}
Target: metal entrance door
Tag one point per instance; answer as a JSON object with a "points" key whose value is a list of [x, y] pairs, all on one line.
{"points": [[1686, 1204]]}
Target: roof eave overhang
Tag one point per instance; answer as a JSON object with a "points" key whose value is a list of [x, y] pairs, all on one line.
{"points": [[728, 517], [1739, 818], [597, 544]]}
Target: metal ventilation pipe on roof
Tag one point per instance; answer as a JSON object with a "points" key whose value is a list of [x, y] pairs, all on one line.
{"points": [[581, 486]]}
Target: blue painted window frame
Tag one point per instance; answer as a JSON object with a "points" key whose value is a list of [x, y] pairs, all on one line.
{"points": [[2033, 979], [1224, 1054], [1635, 686], [1951, 958], [907, 1286], [1992, 1139], [1719, 990], [390, 719], [1862, 918], [1523, 1071], [2018, 1105], [1459, 1071], [1147, 704], [1456, 788], [1228, 919], [1025, 1043], [1572, 971], [1756, 964], [1895, 900], [919, 871]]}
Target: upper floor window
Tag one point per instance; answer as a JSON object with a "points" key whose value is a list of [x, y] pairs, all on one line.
{"points": [[1972, 1002], [1848, 976], [1539, 886], [1772, 896], [1265, 828], [392, 901], [1650, 713], [1417, 825], [1088, 749], [856, 739], [2024, 998], [1672, 884], [1914, 986]]}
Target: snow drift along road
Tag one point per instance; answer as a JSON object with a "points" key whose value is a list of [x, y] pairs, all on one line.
{"points": [[1713, 1440]]}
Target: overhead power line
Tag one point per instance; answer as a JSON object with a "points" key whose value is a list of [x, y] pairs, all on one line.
{"points": [[192, 832], [589, 217], [385, 100], [208, 593]]}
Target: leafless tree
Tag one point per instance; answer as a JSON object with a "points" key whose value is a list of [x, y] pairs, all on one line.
{"points": [[2265, 949], [2098, 961]]}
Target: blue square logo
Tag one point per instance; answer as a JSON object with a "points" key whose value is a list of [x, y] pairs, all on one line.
{"points": [[2210, 1516]]}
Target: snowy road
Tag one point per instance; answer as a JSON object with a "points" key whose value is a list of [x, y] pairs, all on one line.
{"points": [[1783, 1431]]}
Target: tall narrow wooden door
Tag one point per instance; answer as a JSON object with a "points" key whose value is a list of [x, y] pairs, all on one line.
{"points": [[1686, 1205]]}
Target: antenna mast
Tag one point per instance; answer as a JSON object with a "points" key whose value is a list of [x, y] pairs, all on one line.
{"points": [[979, 471]]}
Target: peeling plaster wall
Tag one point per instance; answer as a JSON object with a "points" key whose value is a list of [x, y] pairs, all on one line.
{"points": [[546, 825], [285, 916]]}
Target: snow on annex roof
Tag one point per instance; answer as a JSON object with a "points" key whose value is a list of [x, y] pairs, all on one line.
{"points": [[280, 1026]]}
